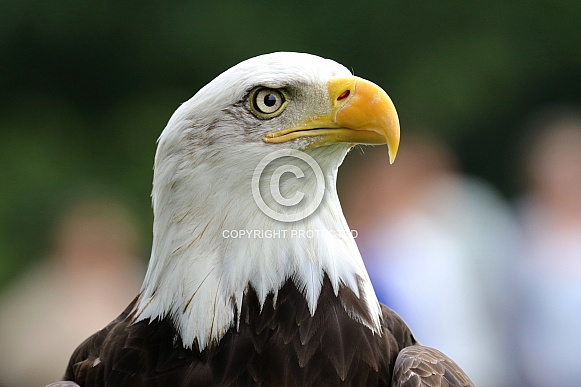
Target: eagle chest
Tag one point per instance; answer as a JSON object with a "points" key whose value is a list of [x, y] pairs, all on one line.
{"points": [[281, 343]]}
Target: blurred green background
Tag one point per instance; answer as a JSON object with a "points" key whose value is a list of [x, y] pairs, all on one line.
{"points": [[87, 86]]}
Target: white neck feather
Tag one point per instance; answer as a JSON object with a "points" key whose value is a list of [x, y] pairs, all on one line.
{"points": [[200, 267]]}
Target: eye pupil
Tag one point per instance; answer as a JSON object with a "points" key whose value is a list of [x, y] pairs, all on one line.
{"points": [[269, 100]]}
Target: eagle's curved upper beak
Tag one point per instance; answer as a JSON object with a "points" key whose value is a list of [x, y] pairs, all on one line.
{"points": [[361, 113]]}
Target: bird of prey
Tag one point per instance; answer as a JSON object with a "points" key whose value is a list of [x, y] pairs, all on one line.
{"points": [[238, 296]]}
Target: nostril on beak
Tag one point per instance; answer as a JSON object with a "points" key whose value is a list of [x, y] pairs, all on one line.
{"points": [[344, 95]]}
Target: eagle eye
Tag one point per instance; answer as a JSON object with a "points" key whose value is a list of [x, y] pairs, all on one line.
{"points": [[267, 103]]}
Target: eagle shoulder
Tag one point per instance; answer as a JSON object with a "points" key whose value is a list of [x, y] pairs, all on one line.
{"points": [[134, 354], [424, 366]]}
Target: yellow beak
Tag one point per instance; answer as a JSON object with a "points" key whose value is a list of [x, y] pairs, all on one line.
{"points": [[361, 113]]}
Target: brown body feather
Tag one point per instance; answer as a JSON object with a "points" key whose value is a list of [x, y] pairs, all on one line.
{"points": [[280, 345]]}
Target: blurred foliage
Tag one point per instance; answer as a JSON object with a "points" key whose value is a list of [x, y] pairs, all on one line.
{"points": [[87, 86]]}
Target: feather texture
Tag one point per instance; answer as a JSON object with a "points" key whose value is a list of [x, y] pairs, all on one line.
{"points": [[278, 344], [424, 366]]}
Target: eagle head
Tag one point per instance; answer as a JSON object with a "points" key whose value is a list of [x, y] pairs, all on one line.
{"points": [[267, 134]]}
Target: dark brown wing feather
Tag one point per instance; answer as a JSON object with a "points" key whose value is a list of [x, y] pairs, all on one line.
{"points": [[280, 344], [424, 366]]}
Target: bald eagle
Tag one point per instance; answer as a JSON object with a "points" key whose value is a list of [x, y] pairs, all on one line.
{"points": [[236, 295]]}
